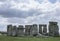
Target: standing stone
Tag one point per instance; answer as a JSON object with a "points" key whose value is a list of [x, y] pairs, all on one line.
{"points": [[20, 30], [40, 28], [9, 30], [14, 31], [44, 29], [28, 30], [34, 30], [53, 29]]}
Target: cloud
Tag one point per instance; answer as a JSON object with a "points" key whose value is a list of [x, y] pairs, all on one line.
{"points": [[3, 27], [52, 1], [22, 1], [22, 10], [9, 13], [3, 0], [28, 12], [40, 1]]}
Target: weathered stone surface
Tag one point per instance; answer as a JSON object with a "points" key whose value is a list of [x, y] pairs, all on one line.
{"points": [[9, 30], [14, 31], [20, 31], [53, 29], [28, 29], [42, 28], [31, 30], [34, 30]]}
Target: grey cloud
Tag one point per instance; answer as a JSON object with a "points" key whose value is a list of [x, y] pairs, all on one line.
{"points": [[3, 0], [18, 1], [12, 13], [5, 11], [21, 1], [16, 20], [52, 1], [58, 12], [39, 1]]}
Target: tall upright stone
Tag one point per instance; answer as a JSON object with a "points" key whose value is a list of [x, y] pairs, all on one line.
{"points": [[53, 29], [20, 30], [28, 30], [9, 30], [42, 28], [14, 31], [34, 30]]}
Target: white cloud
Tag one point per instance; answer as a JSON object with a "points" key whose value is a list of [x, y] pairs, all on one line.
{"points": [[3, 20], [32, 4], [47, 9], [45, 6]]}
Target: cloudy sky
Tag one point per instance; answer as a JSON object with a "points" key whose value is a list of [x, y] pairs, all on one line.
{"points": [[28, 12]]}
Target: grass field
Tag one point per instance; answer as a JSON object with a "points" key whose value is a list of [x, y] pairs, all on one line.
{"points": [[8, 38]]}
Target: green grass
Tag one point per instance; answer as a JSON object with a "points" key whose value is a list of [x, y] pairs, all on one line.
{"points": [[8, 38]]}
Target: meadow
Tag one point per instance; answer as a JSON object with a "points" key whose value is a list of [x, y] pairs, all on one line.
{"points": [[9, 38]]}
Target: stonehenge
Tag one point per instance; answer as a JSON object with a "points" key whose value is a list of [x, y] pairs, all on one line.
{"points": [[14, 31], [28, 29], [33, 30], [53, 29], [20, 30], [42, 28], [9, 30]]}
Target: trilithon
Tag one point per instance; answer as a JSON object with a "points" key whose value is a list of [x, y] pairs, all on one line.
{"points": [[53, 29]]}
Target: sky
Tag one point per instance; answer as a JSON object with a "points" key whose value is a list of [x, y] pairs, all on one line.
{"points": [[22, 12]]}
